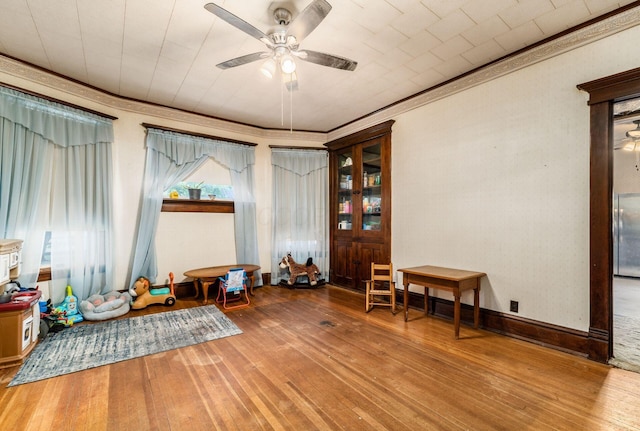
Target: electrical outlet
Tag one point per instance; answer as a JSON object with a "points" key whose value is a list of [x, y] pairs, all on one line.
{"points": [[513, 306]]}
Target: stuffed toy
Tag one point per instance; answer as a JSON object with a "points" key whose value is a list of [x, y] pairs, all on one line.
{"points": [[107, 306], [298, 269]]}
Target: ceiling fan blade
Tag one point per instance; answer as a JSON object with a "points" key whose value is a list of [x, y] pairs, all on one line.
{"points": [[308, 19], [235, 21], [239, 61], [326, 59]]}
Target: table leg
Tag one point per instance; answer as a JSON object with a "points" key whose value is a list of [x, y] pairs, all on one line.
{"points": [[476, 306], [251, 283], [426, 300], [196, 284], [456, 314], [205, 291], [406, 300]]}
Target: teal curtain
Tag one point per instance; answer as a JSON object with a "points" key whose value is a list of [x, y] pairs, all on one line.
{"points": [[173, 156], [56, 172], [300, 213]]}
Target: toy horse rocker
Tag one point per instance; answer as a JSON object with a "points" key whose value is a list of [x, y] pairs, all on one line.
{"points": [[310, 270]]}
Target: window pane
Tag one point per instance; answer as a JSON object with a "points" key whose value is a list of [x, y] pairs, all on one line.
{"points": [[220, 191]]}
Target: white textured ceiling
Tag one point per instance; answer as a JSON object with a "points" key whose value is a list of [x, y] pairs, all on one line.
{"points": [[165, 51]]}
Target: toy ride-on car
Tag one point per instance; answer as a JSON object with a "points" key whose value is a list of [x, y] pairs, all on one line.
{"points": [[143, 294]]}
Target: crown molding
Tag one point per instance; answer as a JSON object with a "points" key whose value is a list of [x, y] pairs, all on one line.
{"points": [[36, 75], [578, 38]]}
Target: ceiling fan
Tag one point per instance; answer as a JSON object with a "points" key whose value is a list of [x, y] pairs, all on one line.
{"points": [[284, 41], [632, 140]]}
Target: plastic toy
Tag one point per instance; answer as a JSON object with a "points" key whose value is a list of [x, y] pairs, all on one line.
{"points": [[67, 312], [297, 269], [145, 295]]}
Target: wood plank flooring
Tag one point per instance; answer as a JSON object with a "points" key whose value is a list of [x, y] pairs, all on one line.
{"points": [[314, 360]]}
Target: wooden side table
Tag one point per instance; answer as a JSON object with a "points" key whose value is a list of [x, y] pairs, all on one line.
{"points": [[452, 280], [208, 276]]}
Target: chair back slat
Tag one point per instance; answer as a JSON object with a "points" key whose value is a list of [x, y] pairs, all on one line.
{"points": [[382, 272], [235, 279]]}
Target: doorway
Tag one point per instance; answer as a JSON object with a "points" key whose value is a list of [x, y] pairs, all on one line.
{"points": [[603, 94], [626, 235]]}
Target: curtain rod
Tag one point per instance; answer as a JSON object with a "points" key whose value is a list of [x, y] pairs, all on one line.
{"points": [[62, 102], [288, 147], [200, 135]]}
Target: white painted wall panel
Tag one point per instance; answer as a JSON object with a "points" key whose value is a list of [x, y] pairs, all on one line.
{"points": [[496, 179]]}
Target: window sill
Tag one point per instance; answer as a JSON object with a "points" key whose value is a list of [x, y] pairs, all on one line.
{"points": [[197, 206], [44, 274]]}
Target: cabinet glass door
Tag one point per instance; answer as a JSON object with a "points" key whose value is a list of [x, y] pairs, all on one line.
{"points": [[345, 189], [371, 187]]}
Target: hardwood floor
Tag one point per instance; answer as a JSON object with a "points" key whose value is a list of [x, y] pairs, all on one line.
{"points": [[313, 359]]}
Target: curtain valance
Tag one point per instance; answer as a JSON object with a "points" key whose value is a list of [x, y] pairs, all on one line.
{"points": [[300, 162], [60, 124], [181, 148]]}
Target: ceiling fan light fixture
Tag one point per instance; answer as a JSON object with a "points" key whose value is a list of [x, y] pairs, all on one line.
{"points": [[268, 68], [287, 64], [635, 133]]}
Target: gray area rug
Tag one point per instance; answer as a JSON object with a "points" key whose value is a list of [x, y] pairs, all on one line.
{"points": [[626, 343], [92, 345]]}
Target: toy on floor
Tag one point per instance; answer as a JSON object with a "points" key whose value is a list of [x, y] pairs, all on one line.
{"points": [[297, 269], [67, 312], [144, 294], [107, 306]]}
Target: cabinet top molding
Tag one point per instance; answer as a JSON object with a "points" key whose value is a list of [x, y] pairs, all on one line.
{"points": [[372, 132]]}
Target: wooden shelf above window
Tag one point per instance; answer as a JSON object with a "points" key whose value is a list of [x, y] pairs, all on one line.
{"points": [[197, 206]]}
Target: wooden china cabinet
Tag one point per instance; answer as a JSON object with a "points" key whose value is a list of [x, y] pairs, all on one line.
{"points": [[360, 204]]}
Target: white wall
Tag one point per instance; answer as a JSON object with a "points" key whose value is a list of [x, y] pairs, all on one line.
{"points": [[496, 179]]}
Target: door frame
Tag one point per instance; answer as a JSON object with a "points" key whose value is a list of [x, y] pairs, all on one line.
{"points": [[603, 93]]}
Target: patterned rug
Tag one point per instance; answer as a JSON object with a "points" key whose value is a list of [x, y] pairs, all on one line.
{"points": [[626, 343], [88, 346]]}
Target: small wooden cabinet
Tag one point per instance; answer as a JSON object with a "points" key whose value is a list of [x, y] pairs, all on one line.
{"points": [[360, 204]]}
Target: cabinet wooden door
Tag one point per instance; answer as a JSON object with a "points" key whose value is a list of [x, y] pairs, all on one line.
{"points": [[343, 267], [360, 207]]}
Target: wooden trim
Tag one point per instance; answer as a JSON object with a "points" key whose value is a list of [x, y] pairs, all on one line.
{"points": [[361, 136], [600, 236], [621, 86], [199, 135], [289, 147], [545, 334], [197, 206], [44, 274], [603, 93], [61, 102]]}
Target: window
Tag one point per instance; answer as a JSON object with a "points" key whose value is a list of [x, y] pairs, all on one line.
{"points": [[220, 191], [212, 179]]}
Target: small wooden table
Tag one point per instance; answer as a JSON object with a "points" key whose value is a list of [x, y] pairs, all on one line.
{"points": [[451, 280], [208, 276]]}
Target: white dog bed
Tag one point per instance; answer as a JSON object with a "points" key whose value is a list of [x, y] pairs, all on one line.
{"points": [[107, 306]]}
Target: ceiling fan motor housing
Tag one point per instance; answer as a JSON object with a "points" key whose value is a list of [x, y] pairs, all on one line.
{"points": [[282, 16]]}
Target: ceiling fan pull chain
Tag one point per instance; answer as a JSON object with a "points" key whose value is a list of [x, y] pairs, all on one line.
{"points": [[291, 111], [282, 99]]}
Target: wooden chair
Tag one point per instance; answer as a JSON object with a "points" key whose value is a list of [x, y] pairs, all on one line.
{"points": [[381, 286], [233, 287]]}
